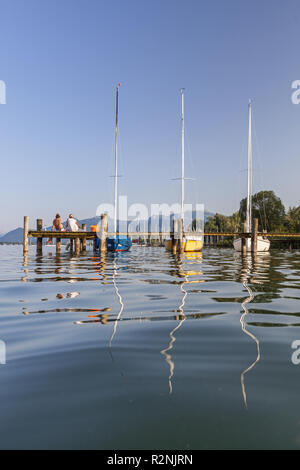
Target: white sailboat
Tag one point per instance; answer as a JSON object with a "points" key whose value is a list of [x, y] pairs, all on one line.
{"points": [[263, 244], [190, 243]]}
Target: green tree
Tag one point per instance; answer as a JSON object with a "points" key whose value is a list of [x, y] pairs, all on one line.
{"points": [[292, 220], [234, 222], [217, 223], [221, 223], [267, 208]]}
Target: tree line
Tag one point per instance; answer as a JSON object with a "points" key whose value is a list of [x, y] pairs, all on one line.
{"points": [[268, 209]]}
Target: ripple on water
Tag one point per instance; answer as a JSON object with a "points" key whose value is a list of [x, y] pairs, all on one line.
{"points": [[149, 350]]}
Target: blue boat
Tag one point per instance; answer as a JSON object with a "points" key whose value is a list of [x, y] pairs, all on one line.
{"points": [[118, 244]]}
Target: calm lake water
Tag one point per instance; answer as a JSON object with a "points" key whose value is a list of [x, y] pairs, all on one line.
{"points": [[144, 350]]}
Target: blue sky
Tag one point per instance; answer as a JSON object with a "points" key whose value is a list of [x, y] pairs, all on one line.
{"points": [[61, 60]]}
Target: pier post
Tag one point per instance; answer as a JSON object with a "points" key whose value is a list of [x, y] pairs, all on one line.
{"points": [[174, 236], [149, 232], [181, 227], [254, 236], [71, 245], [244, 239], [103, 235], [39, 241], [58, 246], [95, 243], [127, 228], [83, 240], [26, 228], [160, 229], [77, 246]]}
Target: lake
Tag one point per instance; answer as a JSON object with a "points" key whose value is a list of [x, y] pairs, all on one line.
{"points": [[147, 350]]}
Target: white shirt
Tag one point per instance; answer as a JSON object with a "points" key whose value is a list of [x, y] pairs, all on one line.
{"points": [[72, 224]]}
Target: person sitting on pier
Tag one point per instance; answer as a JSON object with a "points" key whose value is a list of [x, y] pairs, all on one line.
{"points": [[72, 224], [56, 225]]}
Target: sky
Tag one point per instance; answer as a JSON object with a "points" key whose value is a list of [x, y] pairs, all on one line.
{"points": [[61, 61]]}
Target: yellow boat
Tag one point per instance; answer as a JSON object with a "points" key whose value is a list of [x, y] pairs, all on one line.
{"points": [[190, 245]]}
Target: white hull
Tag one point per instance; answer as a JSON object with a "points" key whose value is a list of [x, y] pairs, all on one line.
{"points": [[263, 244]]}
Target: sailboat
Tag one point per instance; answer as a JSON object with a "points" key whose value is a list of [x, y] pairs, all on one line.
{"points": [[116, 242], [190, 243], [263, 244]]}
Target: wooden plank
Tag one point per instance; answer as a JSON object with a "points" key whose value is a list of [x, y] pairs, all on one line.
{"points": [[64, 235], [280, 235]]}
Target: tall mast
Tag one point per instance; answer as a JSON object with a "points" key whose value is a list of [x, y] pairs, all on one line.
{"points": [[182, 156], [250, 177], [116, 160]]}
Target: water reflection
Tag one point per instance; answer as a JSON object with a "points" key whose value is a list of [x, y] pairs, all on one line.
{"points": [[158, 276], [65, 267], [180, 272], [120, 302], [25, 268], [251, 274]]}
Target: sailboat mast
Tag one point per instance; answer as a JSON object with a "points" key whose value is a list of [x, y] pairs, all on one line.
{"points": [[182, 156], [116, 160], [250, 176]]}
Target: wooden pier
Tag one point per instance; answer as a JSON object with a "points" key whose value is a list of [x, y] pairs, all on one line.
{"points": [[78, 240]]}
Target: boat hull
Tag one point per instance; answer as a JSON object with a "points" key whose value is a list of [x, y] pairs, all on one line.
{"points": [[263, 244], [189, 245], [116, 244]]}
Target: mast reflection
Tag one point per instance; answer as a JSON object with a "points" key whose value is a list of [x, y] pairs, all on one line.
{"points": [[252, 267], [184, 276], [120, 302]]}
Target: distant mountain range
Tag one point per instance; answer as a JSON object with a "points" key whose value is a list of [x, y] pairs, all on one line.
{"points": [[16, 235]]}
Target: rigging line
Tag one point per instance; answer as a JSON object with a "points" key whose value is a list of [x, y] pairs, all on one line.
{"points": [[240, 193], [122, 164], [111, 168], [194, 188], [177, 153], [259, 160]]}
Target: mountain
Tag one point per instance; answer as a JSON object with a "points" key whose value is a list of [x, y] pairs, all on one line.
{"points": [[16, 236]]}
